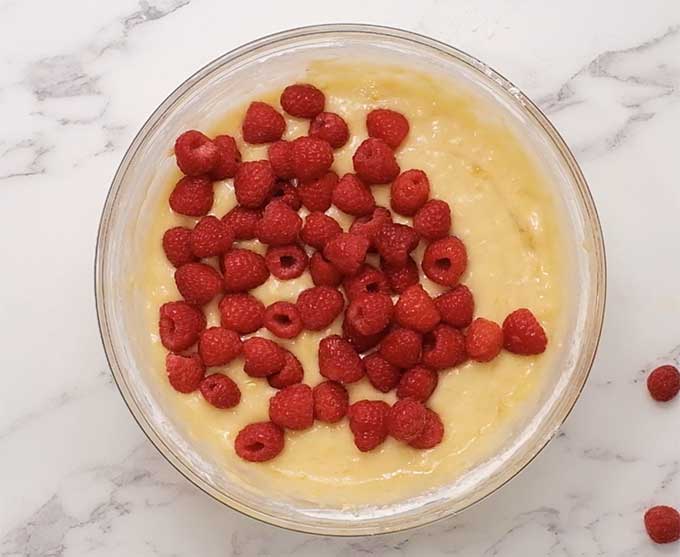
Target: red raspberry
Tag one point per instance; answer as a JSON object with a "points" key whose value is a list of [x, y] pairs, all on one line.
{"points": [[198, 283], [664, 383], [262, 124], [483, 340], [374, 162], [400, 278], [179, 325], [663, 524], [390, 126], [329, 127], [370, 313], [211, 237], [382, 374], [287, 192], [293, 407], [338, 361], [346, 252], [279, 225], [254, 183], [523, 334], [218, 346], [433, 220], [286, 262], [184, 372], [316, 194], [417, 383], [319, 306], [280, 154], [220, 391], [416, 310], [242, 313], [406, 420], [456, 306], [242, 221], [402, 347], [259, 442], [323, 272], [177, 246], [445, 261], [361, 343], [193, 196], [395, 242], [291, 373], [368, 423], [243, 270], [330, 402], [302, 100], [351, 196], [409, 192], [432, 433], [262, 357], [319, 229], [283, 319], [368, 280], [444, 347], [312, 158], [228, 158], [195, 153], [369, 226]]}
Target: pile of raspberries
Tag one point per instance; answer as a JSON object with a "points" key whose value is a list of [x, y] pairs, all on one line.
{"points": [[393, 332]]}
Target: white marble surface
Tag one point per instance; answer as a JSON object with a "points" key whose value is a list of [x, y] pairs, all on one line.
{"points": [[78, 78]]}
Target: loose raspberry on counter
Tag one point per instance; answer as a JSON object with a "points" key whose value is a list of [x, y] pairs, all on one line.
{"points": [[192, 196], [312, 158], [406, 420], [254, 183], [456, 306], [303, 100], [409, 192], [283, 320], [402, 347], [368, 423], [389, 125], [374, 162], [184, 372], [179, 325], [177, 246], [280, 154], [346, 252], [242, 221], [664, 383], [369, 226], [353, 197], [243, 270], [316, 194], [400, 278], [319, 306], [523, 334], [293, 407], [262, 357], [279, 225], [323, 271], [259, 442], [218, 346], [198, 283], [331, 402], [286, 192], [395, 242], [290, 374], [262, 124], [444, 347], [195, 153], [417, 383], [319, 229], [286, 262], [432, 433], [368, 280], [663, 524], [370, 314], [361, 343], [228, 158], [483, 340], [220, 391], [329, 127], [445, 260], [242, 313], [416, 310], [211, 237], [382, 374], [338, 361]]}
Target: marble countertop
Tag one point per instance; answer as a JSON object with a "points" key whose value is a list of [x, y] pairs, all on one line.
{"points": [[77, 80]]}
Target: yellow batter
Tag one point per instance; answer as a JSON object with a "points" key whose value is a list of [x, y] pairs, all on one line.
{"points": [[503, 211]]}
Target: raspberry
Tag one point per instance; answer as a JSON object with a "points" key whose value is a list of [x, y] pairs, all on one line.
{"points": [[361, 343], [283, 320], [193, 196], [319, 229], [456, 306], [302, 100], [312, 158], [254, 183], [370, 313], [330, 402], [351, 196], [444, 347], [663, 524], [262, 124], [196, 154], [329, 127], [220, 391], [316, 194], [369, 226], [433, 220], [262, 357], [483, 340], [211, 237], [279, 225], [417, 383], [402, 347], [319, 306], [368, 280], [664, 383], [242, 222], [395, 242], [228, 158], [280, 154], [242, 313], [432, 433], [445, 261], [286, 192], [177, 246], [400, 278], [416, 310], [179, 325], [406, 420], [409, 192], [346, 252], [382, 374], [259, 442], [198, 283], [523, 334], [286, 262], [390, 126], [323, 272], [218, 346], [184, 372], [291, 373], [292, 407], [338, 361], [374, 162], [243, 270], [368, 423]]}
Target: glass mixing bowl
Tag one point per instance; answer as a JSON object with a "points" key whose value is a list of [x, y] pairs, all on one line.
{"points": [[261, 66]]}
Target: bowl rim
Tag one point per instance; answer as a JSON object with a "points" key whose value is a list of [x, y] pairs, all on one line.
{"points": [[586, 199]]}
